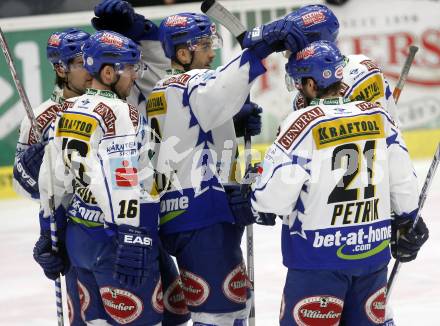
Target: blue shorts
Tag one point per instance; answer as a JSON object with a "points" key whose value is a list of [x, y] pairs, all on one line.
{"points": [[323, 297], [73, 298], [175, 308], [102, 297], [211, 267]]}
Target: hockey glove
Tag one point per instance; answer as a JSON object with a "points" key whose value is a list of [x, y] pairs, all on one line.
{"points": [[240, 205], [27, 169], [134, 256], [280, 35], [119, 16], [248, 119], [405, 240], [51, 262]]}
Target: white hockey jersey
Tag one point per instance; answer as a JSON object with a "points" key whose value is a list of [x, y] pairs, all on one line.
{"points": [[45, 114], [362, 81], [192, 114], [335, 172], [100, 146]]}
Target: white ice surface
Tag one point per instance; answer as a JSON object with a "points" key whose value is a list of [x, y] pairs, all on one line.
{"points": [[28, 298]]}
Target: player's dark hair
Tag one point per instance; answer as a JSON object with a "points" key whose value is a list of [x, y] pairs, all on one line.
{"points": [[333, 89]]}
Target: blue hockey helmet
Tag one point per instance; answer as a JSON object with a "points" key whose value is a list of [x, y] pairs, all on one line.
{"points": [[317, 22], [66, 45], [321, 60], [186, 28], [107, 47]]}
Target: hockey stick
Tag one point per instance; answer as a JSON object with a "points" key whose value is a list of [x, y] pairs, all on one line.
{"points": [[215, 10], [31, 117], [422, 198], [404, 74]]}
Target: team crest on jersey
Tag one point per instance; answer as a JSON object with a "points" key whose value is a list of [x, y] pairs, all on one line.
{"points": [[375, 306], [109, 118], [313, 18], [156, 104], [235, 284], [84, 299], [70, 310], [295, 129], [196, 289], [370, 90], [125, 173], [174, 298], [318, 310], [343, 130], [176, 21], [123, 306], [157, 297]]}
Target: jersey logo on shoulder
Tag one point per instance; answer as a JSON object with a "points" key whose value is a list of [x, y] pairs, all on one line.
{"points": [[343, 130], [298, 126], [365, 106], [43, 120], [370, 65], [181, 79], [109, 118], [370, 90], [156, 104], [344, 88]]}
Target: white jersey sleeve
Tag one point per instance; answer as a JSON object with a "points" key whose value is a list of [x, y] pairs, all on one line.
{"points": [[215, 96]]}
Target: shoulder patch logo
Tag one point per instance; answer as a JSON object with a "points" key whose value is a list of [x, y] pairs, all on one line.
{"points": [[108, 117], [295, 129], [134, 115], [181, 79]]}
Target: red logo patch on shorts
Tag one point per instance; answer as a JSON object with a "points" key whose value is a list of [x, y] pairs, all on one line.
{"points": [[235, 284], [123, 306], [157, 298], [195, 288], [318, 310], [84, 299], [174, 298], [375, 306], [70, 310]]}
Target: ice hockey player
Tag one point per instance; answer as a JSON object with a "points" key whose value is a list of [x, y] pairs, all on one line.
{"points": [[100, 147], [194, 107], [64, 53], [332, 174]]}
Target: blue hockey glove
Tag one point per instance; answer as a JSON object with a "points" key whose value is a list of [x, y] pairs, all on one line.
{"points": [[240, 205], [280, 35], [135, 255], [27, 169], [405, 240], [119, 16], [248, 119], [52, 263], [265, 218]]}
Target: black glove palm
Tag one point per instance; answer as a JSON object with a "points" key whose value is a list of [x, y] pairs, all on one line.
{"points": [[407, 241]]}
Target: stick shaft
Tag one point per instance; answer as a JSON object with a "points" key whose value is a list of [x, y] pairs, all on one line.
{"points": [[405, 71]]}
